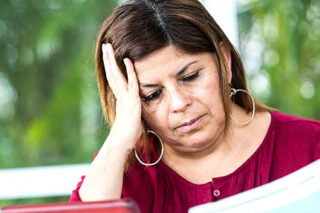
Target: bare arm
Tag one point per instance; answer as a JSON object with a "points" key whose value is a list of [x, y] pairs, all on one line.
{"points": [[105, 175]]}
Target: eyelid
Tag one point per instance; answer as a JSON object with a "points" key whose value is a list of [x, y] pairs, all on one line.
{"points": [[148, 93], [193, 75], [152, 96]]}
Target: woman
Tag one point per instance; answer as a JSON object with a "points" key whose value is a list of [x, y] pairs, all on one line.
{"points": [[174, 92]]}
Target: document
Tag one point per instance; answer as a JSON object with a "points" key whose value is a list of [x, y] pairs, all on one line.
{"points": [[296, 192]]}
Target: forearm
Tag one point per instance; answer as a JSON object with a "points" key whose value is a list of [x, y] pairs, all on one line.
{"points": [[105, 175]]}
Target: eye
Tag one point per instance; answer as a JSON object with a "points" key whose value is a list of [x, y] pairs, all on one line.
{"points": [[191, 77], [151, 97]]}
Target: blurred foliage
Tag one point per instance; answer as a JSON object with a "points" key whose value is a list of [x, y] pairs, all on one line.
{"points": [[49, 102], [50, 110], [31, 201], [280, 45]]}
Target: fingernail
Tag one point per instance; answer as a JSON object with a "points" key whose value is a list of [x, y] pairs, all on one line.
{"points": [[126, 61], [108, 47], [103, 48]]}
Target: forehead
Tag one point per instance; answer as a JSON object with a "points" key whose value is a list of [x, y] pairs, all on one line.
{"points": [[167, 60]]}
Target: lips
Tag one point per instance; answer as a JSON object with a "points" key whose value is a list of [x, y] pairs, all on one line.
{"points": [[190, 124]]}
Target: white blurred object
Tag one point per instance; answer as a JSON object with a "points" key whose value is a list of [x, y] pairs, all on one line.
{"points": [[225, 14], [46, 181]]}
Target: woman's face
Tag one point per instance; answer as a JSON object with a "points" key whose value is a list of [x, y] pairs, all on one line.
{"points": [[181, 99]]}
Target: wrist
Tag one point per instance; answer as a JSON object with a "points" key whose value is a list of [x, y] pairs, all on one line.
{"points": [[119, 143]]}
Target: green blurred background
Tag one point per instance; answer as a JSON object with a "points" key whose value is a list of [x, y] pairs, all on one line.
{"points": [[49, 103]]}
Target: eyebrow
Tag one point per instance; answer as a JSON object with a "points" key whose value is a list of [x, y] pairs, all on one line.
{"points": [[179, 73]]}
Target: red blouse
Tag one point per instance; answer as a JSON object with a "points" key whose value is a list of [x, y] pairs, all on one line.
{"points": [[289, 144]]}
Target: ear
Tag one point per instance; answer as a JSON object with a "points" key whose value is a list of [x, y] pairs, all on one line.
{"points": [[227, 56]]}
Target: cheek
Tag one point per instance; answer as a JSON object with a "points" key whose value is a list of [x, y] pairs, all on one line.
{"points": [[208, 89], [209, 95], [154, 118]]}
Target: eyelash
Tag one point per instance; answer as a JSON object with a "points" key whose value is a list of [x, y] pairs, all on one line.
{"points": [[153, 96], [156, 94], [191, 77]]}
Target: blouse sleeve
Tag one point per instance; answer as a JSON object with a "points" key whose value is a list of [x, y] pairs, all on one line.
{"points": [[75, 193], [317, 150]]}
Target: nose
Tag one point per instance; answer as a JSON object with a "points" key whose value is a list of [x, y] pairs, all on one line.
{"points": [[180, 100]]}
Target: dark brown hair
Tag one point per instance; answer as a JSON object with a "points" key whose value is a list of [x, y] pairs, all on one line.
{"points": [[138, 28]]}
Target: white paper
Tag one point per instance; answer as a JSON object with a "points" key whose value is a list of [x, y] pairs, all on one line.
{"points": [[296, 192]]}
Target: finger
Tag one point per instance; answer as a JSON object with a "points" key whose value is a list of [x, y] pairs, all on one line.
{"points": [[105, 58], [132, 77], [107, 69], [118, 77], [117, 87]]}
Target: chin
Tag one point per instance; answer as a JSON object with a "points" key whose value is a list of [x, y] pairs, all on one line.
{"points": [[195, 144]]}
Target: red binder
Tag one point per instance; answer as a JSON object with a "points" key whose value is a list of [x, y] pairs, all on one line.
{"points": [[114, 206]]}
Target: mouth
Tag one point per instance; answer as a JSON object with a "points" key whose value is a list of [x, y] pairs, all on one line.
{"points": [[190, 125]]}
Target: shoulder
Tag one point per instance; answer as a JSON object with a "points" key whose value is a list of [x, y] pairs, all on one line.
{"points": [[286, 118], [294, 125], [292, 143], [296, 136]]}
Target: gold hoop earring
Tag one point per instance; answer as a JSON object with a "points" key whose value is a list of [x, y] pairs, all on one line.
{"points": [[233, 92], [161, 154]]}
